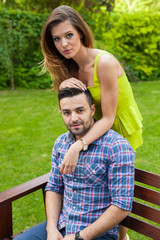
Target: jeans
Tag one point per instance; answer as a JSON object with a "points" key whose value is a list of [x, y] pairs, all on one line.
{"points": [[39, 233]]}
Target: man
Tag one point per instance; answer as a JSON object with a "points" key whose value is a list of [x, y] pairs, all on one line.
{"points": [[98, 195]]}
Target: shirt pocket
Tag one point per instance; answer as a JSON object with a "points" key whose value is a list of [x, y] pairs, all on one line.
{"points": [[95, 174]]}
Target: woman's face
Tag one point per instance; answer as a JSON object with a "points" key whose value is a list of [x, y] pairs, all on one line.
{"points": [[66, 39]]}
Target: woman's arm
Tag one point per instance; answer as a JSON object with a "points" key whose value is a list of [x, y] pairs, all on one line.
{"points": [[107, 71]]}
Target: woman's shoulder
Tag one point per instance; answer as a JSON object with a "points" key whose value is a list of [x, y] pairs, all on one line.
{"points": [[106, 60]]}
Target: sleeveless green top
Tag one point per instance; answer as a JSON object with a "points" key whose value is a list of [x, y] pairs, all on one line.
{"points": [[128, 120]]}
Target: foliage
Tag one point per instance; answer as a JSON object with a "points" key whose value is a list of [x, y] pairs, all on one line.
{"points": [[97, 19], [135, 39], [20, 50], [41, 6], [123, 6]]}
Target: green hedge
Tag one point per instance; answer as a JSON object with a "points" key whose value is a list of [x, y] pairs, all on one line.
{"points": [[133, 38], [20, 50]]}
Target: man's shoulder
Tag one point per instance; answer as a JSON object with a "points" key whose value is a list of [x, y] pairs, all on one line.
{"points": [[112, 138], [62, 139]]}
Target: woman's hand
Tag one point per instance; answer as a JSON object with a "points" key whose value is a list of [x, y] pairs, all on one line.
{"points": [[71, 158], [72, 83]]}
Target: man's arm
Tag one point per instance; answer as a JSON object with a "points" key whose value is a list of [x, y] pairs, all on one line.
{"points": [[109, 219], [53, 208]]}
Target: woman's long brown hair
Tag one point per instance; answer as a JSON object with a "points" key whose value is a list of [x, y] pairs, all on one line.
{"points": [[59, 67]]}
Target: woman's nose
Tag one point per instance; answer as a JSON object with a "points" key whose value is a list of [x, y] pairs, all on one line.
{"points": [[64, 42]]}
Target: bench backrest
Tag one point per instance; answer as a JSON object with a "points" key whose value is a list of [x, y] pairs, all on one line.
{"points": [[143, 196]]}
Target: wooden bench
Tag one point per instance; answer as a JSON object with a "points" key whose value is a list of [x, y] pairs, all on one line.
{"points": [[142, 193]]}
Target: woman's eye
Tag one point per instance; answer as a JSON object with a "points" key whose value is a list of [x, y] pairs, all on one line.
{"points": [[56, 39], [69, 35]]}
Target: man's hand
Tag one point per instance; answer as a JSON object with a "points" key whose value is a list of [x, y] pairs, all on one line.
{"points": [[71, 158], [69, 237], [54, 235]]}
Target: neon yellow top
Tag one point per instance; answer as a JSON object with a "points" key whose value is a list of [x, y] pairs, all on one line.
{"points": [[128, 120]]}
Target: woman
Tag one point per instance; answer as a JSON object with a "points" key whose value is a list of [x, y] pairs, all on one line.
{"points": [[67, 46]]}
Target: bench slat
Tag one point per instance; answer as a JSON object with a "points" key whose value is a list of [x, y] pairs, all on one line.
{"points": [[147, 178], [142, 227], [147, 194], [145, 211]]}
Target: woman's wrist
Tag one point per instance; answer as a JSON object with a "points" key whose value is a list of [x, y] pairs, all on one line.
{"points": [[78, 145]]}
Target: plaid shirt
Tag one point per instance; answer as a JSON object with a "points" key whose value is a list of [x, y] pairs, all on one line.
{"points": [[104, 175]]}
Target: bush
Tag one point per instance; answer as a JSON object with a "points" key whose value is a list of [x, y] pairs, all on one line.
{"points": [[20, 50], [135, 39]]}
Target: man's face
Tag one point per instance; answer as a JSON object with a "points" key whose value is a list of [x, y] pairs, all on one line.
{"points": [[77, 114]]}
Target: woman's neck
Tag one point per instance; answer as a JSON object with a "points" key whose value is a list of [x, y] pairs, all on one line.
{"points": [[84, 58]]}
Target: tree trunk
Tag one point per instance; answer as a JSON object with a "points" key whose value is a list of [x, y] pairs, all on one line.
{"points": [[12, 85]]}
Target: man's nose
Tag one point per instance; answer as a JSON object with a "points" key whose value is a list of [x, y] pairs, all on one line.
{"points": [[74, 117]]}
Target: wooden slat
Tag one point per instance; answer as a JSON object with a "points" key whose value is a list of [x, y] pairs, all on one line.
{"points": [[147, 178], [142, 227], [145, 211], [147, 194], [23, 189]]}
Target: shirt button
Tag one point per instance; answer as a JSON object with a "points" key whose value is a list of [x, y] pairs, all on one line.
{"points": [[75, 191], [75, 179], [94, 171], [74, 207]]}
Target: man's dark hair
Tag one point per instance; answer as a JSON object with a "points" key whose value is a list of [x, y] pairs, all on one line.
{"points": [[71, 92]]}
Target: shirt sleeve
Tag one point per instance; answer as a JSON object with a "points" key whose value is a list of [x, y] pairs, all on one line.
{"points": [[55, 182], [121, 174]]}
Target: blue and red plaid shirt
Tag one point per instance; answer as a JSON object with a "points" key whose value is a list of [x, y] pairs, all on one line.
{"points": [[104, 176]]}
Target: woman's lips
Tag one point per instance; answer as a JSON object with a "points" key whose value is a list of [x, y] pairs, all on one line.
{"points": [[67, 51]]}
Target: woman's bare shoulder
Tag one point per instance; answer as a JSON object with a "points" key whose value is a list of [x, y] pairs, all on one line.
{"points": [[109, 62]]}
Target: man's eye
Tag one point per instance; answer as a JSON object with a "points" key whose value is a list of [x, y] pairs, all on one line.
{"points": [[66, 113], [80, 111], [69, 35]]}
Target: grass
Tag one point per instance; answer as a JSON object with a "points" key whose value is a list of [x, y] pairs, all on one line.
{"points": [[29, 124]]}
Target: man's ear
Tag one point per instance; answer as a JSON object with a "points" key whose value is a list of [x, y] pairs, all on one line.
{"points": [[59, 105], [93, 109]]}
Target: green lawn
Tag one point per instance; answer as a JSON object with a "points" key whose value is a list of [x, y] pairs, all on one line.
{"points": [[29, 124]]}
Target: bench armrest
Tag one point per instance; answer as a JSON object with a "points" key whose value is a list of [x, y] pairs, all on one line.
{"points": [[7, 197], [23, 189]]}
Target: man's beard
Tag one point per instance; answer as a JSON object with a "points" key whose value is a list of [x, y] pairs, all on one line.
{"points": [[82, 129]]}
